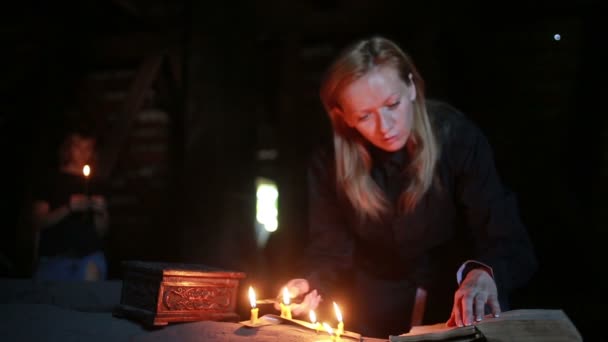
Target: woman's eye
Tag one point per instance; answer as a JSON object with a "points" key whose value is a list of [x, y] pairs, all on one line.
{"points": [[394, 105], [364, 117]]}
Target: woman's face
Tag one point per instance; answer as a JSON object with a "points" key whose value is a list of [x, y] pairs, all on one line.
{"points": [[82, 150], [380, 106]]}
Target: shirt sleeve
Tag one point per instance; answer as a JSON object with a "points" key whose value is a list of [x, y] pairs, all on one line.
{"points": [[330, 246], [471, 265], [500, 239]]}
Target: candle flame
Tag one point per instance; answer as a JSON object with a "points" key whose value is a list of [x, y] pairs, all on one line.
{"points": [[313, 316], [252, 297], [338, 312], [86, 170], [286, 297], [328, 328]]}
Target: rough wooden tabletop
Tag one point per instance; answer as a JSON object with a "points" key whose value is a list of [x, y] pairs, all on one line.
{"points": [[224, 331]]}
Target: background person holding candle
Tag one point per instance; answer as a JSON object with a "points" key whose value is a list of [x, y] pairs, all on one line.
{"points": [[70, 215], [409, 221]]}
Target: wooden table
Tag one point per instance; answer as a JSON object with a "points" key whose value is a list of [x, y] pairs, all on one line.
{"points": [[36, 311]]}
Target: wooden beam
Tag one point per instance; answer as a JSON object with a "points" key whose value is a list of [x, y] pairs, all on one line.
{"points": [[117, 135]]}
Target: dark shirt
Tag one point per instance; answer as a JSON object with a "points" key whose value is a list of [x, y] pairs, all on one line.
{"points": [[75, 235], [467, 214]]}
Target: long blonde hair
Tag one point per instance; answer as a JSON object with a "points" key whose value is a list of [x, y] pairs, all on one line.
{"points": [[353, 161]]}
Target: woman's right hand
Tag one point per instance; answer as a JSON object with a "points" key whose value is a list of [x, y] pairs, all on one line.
{"points": [[98, 204], [296, 288]]}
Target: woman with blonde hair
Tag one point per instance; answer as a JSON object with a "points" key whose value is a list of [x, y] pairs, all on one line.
{"points": [[409, 221]]}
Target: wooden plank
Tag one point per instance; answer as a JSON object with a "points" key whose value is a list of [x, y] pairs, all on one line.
{"points": [[117, 135]]}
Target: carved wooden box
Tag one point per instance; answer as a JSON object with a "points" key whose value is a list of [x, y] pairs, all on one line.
{"points": [[159, 293]]}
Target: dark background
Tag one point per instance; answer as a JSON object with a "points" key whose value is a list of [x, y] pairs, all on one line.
{"points": [[183, 96]]}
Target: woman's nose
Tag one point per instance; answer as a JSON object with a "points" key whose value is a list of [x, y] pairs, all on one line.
{"points": [[386, 120]]}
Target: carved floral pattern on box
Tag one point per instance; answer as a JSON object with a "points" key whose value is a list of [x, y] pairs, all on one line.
{"points": [[157, 293], [197, 298]]}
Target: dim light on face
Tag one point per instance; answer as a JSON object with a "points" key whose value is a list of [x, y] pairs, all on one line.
{"points": [[380, 107], [82, 150]]}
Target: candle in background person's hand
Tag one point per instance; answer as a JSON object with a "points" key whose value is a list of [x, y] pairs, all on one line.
{"points": [[86, 171]]}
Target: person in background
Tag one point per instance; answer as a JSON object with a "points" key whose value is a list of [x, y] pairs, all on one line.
{"points": [[409, 221], [71, 217]]}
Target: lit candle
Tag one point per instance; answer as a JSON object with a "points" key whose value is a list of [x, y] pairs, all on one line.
{"points": [[285, 309], [86, 171], [254, 310], [329, 330], [340, 329], [313, 320]]}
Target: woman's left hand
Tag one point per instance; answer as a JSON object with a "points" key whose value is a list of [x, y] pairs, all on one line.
{"points": [[476, 290], [296, 288]]}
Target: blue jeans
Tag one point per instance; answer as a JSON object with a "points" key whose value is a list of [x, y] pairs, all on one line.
{"points": [[68, 268]]}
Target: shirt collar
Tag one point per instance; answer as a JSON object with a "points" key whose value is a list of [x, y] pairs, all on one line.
{"points": [[383, 158]]}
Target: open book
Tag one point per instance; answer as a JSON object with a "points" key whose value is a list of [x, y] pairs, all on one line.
{"points": [[516, 325]]}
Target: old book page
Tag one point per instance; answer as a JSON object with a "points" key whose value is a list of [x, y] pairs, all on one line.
{"points": [[438, 332], [516, 325]]}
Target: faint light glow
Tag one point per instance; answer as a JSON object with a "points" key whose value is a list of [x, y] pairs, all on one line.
{"points": [[557, 37], [267, 154], [266, 209]]}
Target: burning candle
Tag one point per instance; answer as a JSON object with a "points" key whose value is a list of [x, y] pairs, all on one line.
{"points": [[285, 309], [340, 329], [254, 309], [86, 171], [313, 320], [329, 330]]}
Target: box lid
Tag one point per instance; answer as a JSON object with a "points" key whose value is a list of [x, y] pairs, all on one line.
{"points": [[179, 269]]}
